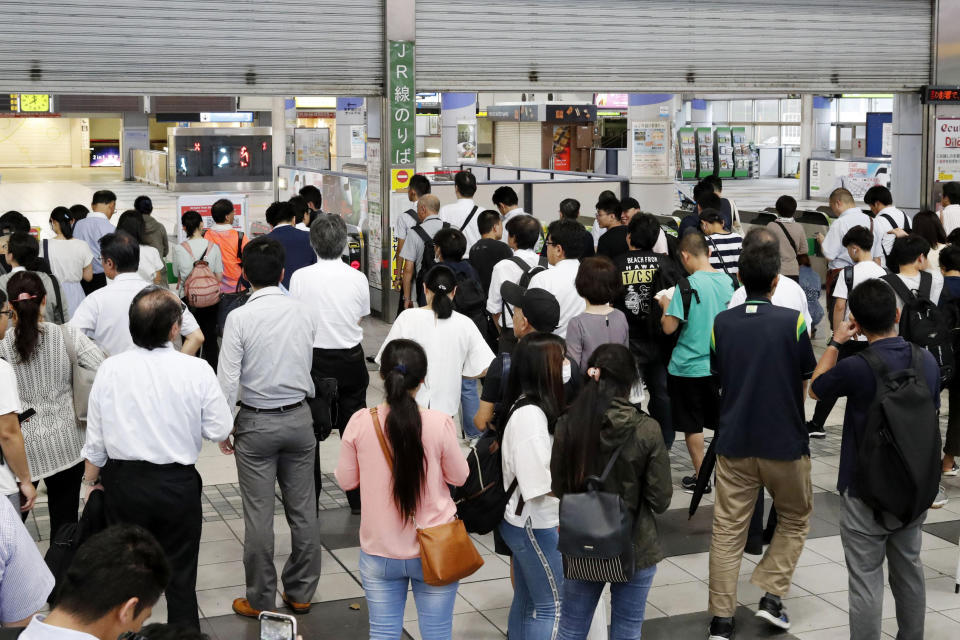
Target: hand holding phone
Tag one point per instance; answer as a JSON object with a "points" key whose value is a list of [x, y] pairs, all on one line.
{"points": [[277, 626]]}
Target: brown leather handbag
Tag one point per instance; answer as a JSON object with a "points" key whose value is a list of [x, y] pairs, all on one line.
{"points": [[447, 553]]}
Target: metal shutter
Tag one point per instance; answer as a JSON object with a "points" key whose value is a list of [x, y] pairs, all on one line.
{"points": [[825, 46], [201, 47], [517, 144]]}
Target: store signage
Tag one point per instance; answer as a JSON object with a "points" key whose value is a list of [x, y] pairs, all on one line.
{"points": [[403, 106], [571, 113], [316, 114], [316, 102], [946, 150], [612, 100], [233, 116], [941, 95], [513, 113]]}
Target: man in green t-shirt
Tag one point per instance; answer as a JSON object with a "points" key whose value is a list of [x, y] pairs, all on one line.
{"points": [[694, 397]]}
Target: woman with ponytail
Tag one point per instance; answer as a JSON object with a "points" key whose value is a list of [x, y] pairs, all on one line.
{"points": [[400, 495], [70, 258], [453, 344], [38, 352], [601, 420]]}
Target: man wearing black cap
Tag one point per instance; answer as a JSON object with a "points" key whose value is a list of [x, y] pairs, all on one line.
{"points": [[155, 234]]}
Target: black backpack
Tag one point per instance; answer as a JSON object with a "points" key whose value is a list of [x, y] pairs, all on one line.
{"points": [[470, 300], [527, 274], [898, 459], [924, 324]]}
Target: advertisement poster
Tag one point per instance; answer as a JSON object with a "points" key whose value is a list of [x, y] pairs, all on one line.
{"points": [[856, 177], [561, 148], [466, 141], [343, 195], [375, 211], [649, 142], [946, 152], [886, 146], [312, 148], [357, 140], [202, 204]]}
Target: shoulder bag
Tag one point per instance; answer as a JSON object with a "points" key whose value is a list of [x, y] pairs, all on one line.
{"points": [[81, 380], [446, 552]]}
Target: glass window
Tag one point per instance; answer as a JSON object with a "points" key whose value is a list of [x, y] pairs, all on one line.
{"points": [[768, 110], [790, 110], [741, 111], [751, 134], [853, 109], [768, 135], [882, 105], [721, 110], [790, 135]]}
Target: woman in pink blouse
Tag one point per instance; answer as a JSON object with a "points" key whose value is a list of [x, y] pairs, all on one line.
{"points": [[426, 459]]}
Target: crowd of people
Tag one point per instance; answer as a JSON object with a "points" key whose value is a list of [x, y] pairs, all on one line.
{"points": [[580, 353]]}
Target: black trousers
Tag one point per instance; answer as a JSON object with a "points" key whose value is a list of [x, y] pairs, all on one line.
{"points": [[654, 375], [99, 282], [349, 368], [207, 319], [824, 407], [63, 497], [164, 500]]}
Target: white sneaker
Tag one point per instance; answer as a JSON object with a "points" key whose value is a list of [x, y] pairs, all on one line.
{"points": [[941, 499]]}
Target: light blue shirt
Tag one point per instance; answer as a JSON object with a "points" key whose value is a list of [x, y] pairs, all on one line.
{"points": [[25, 580], [90, 230]]}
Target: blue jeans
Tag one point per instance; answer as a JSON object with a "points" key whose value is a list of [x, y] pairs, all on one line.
{"points": [[538, 582], [628, 600], [469, 405], [385, 583]]}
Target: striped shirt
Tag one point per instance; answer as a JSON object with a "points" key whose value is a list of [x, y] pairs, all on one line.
{"points": [[725, 251], [25, 580]]}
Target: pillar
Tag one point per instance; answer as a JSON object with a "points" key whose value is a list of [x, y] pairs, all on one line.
{"points": [[906, 179], [652, 172], [135, 134], [457, 109], [351, 131], [815, 132], [278, 132]]}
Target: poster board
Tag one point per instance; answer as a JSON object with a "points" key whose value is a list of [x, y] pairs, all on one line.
{"points": [[202, 205], [827, 175], [649, 149], [946, 151], [312, 147], [466, 141]]}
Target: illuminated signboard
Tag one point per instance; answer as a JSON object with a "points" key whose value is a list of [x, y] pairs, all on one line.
{"points": [[236, 116], [611, 100], [941, 95], [34, 103]]}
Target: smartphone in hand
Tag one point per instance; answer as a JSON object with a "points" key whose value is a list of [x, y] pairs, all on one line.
{"points": [[277, 626]]}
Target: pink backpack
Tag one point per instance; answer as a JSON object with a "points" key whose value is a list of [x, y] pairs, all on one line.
{"points": [[201, 288]]}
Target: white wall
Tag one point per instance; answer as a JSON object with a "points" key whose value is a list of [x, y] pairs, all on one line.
{"points": [[35, 142]]}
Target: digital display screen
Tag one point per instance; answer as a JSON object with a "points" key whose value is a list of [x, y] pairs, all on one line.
{"points": [[941, 95], [105, 155], [198, 159]]}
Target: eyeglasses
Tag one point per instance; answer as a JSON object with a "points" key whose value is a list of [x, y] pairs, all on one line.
{"points": [[551, 244], [8, 313]]}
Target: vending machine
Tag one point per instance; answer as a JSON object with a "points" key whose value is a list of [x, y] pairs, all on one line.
{"points": [[688, 153], [741, 152], [723, 152], [704, 151]]}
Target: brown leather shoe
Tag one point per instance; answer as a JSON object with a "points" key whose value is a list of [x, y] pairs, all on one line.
{"points": [[296, 607], [241, 607]]}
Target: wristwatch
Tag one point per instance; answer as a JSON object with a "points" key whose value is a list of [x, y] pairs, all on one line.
{"points": [[833, 343], [90, 483]]}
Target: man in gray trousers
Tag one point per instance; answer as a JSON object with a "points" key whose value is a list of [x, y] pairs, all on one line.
{"points": [[264, 367]]}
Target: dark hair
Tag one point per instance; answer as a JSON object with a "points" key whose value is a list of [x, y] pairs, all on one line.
{"points": [[610, 205], [874, 306], [61, 215], [759, 266], [694, 243], [536, 371], [709, 200], [629, 203], [403, 366], [312, 195], [14, 222], [441, 280], [570, 208], [487, 220], [714, 181], [701, 189], [878, 193], [158, 631], [951, 191], [3, 297], [859, 237], [598, 280], [644, 231], [280, 212], [144, 205], [926, 224], [220, 210], [119, 563], [525, 230], [907, 250], [950, 258], [299, 206], [27, 335], [579, 457], [263, 261], [191, 221], [79, 212], [803, 260], [25, 249], [452, 244], [153, 312], [710, 216], [466, 183], [954, 237], [506, 196], [786, 206], [568, 234], [123, 249], [419, 184], [132, 222], [103, 196], [759, 237]]}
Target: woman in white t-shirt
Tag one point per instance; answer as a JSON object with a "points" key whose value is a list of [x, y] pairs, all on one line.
{"points": [[530, 521], [70, 258], [152, 267], [455, 349], [926, 224]]}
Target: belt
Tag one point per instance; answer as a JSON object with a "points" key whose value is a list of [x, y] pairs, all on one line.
{"points": [[283, 409]]}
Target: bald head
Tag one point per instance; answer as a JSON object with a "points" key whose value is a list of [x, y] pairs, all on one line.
{"points": [[428, 205], [842, 198], [155, 315]]}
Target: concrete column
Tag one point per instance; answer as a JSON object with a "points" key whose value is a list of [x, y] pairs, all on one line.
{"points": [[655, 195], [278, 132], [135, 134], [807, 136], [455, 108], [351, 112], [906, 180]]}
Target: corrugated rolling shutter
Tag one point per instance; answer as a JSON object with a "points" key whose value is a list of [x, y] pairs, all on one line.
{"points": [[517, 144], [35, 142], [823, 46], [204, 47]]}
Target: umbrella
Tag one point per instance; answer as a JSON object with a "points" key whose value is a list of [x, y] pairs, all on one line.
{"points": [[703, 476]]}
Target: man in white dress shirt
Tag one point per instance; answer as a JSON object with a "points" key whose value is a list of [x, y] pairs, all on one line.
{"points": [[522, 236], [338, 297], [564, 248], [950, 200], [104, 314], [462, 214], [508, 204], [886, 217], [150, 408], [264, 366]]}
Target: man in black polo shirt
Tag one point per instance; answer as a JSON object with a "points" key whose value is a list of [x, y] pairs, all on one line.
{"points": [[761, 355], [873, 313]]}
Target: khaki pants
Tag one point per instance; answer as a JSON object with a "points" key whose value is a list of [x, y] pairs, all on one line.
{"points": [[738, 480]]}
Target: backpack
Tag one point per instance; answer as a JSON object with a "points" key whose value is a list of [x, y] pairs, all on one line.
{"points": [[898, 460], [893, 225], [65, 542], [527, 274], [924, 324], [470, 300], [201, 288]]}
